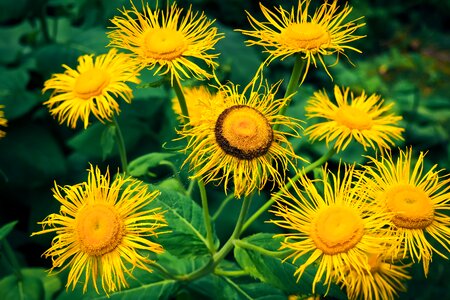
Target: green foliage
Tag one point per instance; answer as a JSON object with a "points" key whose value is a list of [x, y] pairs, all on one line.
{"points": [[257, 254], [187, 238]]}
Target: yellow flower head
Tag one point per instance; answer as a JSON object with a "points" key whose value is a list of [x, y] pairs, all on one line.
{"points": [[200, 101], [364, 119], [286, 33], [93, 87], [238, 140], [167, 41], [383, 281], [333, 229], [419, 202], [3, 121], [101, 228]]}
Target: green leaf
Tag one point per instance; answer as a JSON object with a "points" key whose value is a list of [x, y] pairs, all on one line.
{"points": [[50, 58], [51, 283], [13, 93], [162, 289], [29, 288], [274, 271], [186, 222], [6, 229], [33, 151], [10, 47], [218, 287], [141, 165], [87, 141]]}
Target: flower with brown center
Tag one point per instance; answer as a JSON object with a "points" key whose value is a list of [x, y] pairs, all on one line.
{"points": [[101, 227], [172, 43], [418, 203], [362, 118], [237, 141], [285, 33]]}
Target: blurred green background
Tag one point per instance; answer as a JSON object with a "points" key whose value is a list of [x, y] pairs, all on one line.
{"points": [[406, 59]]}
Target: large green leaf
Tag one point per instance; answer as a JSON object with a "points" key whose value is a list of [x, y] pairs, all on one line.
{"points": [[162, 289], [143, 285], [186, 222], [274, 271], [6, 229], [35, 284], [218, 287]]}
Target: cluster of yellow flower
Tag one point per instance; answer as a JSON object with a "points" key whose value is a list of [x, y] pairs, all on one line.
{"points": [[356, 226]]}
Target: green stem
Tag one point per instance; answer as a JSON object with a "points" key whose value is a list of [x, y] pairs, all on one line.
{"points": [[233, 273], [190, 187], [227, 247], [276, 254], [120, 145], [181, 100], [222, 206], [304, 171], [206, 216], [11, 257], [293, 84]]}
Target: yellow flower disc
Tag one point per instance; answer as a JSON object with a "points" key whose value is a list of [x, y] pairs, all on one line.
{"points": [[412, 207], [91, 83], [337, 229], [354, 118], [243, 132], [164, 43], [99, 229], [305, 36]]}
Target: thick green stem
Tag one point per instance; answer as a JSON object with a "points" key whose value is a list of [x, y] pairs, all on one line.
{"points": [[232, 273], [181, 99], [227, 247], [222, 206], [293, 84], [120, 145], [206, 217], [304, 171]]}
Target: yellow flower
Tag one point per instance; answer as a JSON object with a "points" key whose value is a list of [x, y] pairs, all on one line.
{"points": [[286, 33], [199, 101], [419, 202], [383, 281], [102, 228], [3, 121], [167, 41], [364, 119], [332, 229], [239, 140], [93, 87]]}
